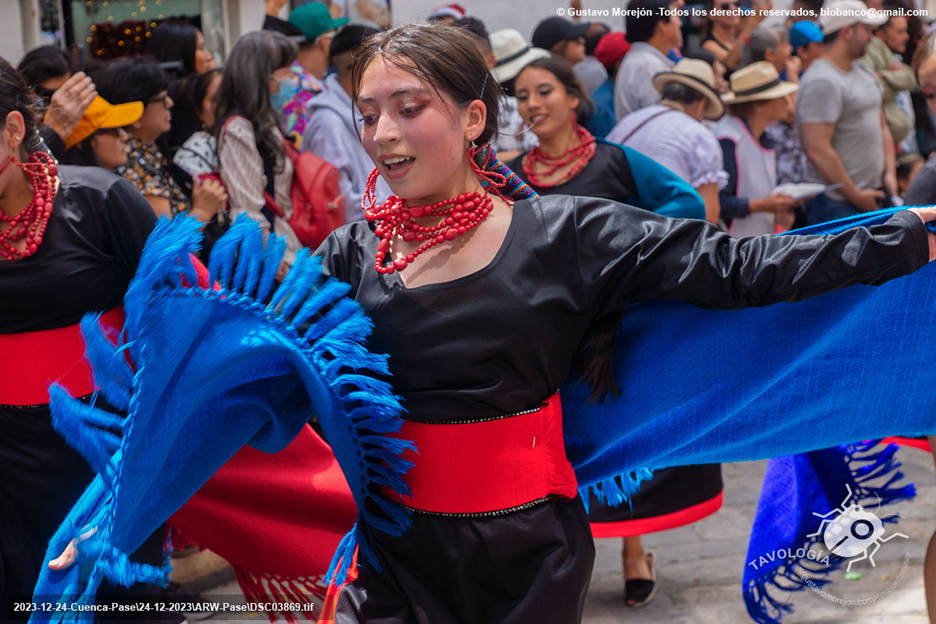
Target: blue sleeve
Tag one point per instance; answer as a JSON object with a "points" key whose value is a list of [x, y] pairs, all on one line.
{"points": [[662, 191]]}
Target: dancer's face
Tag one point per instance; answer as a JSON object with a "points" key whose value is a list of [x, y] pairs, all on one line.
{"points": [[416, 136], [545, 105]]}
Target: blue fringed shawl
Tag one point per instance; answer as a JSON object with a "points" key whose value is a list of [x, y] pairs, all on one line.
{"points": [[249, 364]]}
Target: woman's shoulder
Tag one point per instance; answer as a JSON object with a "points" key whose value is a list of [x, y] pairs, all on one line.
{"points": [[611, 152], [237, 126], [92, 180], [570, 210], [96, 193]]}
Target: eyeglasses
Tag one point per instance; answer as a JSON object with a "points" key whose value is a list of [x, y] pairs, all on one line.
{"points": [[110, 131], [726, 6], [161, 99]]}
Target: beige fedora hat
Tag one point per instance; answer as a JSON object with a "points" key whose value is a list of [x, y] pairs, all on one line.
{"points": [[757, 81], [512, 53], [697, 75]]}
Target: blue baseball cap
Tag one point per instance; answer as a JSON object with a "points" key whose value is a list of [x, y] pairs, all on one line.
{"points": [[803, 33]]}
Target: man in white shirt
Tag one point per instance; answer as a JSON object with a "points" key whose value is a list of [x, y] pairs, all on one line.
{"points": [[652, 37]]}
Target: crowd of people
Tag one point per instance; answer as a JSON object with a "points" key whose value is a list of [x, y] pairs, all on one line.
{"points": [[753, 129]]}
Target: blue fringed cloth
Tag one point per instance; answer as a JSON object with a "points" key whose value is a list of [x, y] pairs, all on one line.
{"points": [[249, 363]]}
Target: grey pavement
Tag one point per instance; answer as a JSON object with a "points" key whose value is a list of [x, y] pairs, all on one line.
{"points": [[700, 566]]}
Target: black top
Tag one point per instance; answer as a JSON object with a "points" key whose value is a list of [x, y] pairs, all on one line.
{"points": [[607, 175], [500, 340], [89, 252]]}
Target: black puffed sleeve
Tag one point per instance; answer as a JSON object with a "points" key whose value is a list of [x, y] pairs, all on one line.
{"points": [[342, 253], [625, 255]]}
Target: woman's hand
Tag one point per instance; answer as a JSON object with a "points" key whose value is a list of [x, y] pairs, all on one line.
{"points": [[66, 559], [68, 104], [928, 215], [208, 199], [778, 202]]}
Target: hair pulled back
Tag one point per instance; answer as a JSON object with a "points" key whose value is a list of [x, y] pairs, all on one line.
{"points": [[445, 57], [16, 96]]}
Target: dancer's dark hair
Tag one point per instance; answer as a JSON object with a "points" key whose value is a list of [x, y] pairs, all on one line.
{"points": [[445, 57]]}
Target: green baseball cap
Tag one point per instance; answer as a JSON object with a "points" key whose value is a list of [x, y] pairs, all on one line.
{"points": [[313, 19]]}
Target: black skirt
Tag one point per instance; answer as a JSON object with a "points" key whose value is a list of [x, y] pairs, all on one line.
{"points": [[673, 498], [41, 478], [528, 566]]}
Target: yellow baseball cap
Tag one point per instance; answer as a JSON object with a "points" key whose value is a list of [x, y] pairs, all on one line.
{"points": [[102, 114]]}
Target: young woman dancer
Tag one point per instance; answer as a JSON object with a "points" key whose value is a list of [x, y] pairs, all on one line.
{"points": [[483, 302], [569, 161]]}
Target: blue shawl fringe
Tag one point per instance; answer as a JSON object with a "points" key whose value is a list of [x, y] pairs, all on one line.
{"points": [[308, 332]]}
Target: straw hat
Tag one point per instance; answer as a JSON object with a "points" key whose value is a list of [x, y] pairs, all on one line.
{"points": [[512, 53], [102, 114], [697, 75], [757, 81]]}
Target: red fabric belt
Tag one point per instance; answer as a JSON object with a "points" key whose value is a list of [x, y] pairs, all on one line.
{"points": [[488, 466], [33, 360]]}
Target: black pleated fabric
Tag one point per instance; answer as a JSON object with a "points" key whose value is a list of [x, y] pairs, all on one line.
{"points": [[528, 566]]}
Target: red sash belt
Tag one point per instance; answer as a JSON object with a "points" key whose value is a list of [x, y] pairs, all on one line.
{"points": [[483, 467], [33, 360]]}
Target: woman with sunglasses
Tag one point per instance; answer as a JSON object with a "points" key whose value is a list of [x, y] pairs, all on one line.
{"points": [[141, 79], [726, 30], [99, 139]]}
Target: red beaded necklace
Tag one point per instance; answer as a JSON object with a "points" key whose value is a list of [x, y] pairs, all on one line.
{"points": [[30, 223], [580, 154], [460, 215]]}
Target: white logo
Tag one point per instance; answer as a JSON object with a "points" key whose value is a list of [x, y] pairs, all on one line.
{"points": [[852, 532]]}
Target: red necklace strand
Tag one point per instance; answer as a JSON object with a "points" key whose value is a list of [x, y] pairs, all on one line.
{"points": [[580, 154], [459, 215], [30, 223]]}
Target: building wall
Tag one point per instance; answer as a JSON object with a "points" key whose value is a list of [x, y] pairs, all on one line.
{"points": [[19, 21]]}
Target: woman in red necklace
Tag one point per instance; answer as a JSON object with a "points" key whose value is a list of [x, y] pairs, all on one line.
{"points": [[570, 161], [70, 240], [483, 316]]}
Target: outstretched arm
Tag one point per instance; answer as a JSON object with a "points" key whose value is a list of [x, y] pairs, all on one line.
{"points": [[626, 255]]}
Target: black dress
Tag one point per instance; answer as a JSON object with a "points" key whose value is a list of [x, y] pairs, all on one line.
{"points": [[675, 496], [501, 340], [88, 254]]}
